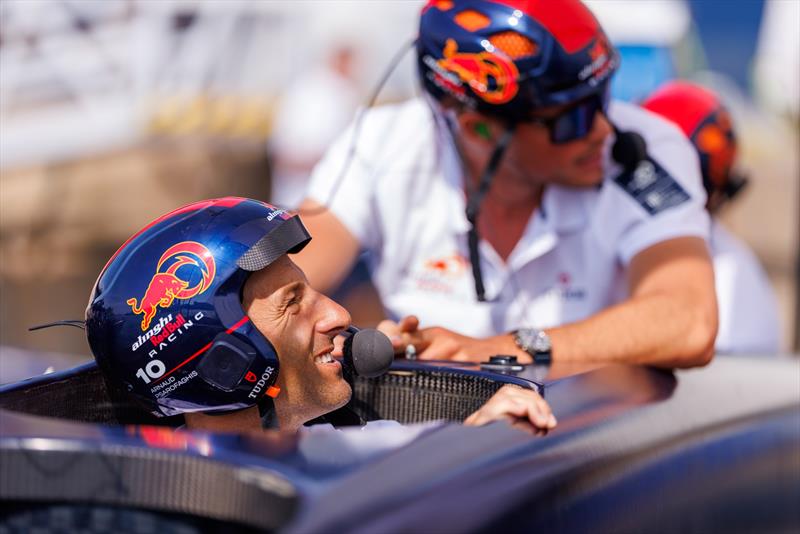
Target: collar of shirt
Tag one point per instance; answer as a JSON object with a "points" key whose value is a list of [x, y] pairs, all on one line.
{"points": [[563, 210]]}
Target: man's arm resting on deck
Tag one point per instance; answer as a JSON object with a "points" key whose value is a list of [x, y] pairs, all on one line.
{"points": [[670, 319]]}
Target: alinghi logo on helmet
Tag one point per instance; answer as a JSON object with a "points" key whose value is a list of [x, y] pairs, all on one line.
{"points": [[278, 213]]}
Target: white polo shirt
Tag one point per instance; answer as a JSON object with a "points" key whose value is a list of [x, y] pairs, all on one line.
{"points": [[748, 308], [402, 198]]}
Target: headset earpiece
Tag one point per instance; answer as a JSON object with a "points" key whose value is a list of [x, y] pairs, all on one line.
{"points": [[482, 131], [226, 363]]}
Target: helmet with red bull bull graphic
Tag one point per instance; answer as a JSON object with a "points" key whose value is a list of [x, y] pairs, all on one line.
{"points": [[506, 58], [707, 123], [165, 320]]}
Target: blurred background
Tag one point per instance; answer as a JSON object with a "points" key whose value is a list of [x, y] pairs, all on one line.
{"points": [[113, 112]]}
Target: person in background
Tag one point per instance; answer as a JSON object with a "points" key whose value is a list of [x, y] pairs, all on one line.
{"points": [[497, 218], [202, 314], [748, 309], [312, 112]]}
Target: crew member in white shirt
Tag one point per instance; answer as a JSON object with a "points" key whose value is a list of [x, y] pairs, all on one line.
{"points": [[748, 309], [574, 256]]}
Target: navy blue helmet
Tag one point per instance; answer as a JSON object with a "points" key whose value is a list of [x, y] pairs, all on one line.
{"points": [[506, 58], [165, 320]]}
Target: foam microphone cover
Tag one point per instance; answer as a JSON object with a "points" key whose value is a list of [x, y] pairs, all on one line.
{"points": [[629, 149], [368, 352]]}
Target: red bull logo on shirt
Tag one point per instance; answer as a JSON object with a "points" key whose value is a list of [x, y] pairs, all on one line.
{"points": [[452, 266], [176, 277]]}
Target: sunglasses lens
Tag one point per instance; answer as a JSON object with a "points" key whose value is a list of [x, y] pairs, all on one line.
{"points": [[571, 125], [577, 122]]}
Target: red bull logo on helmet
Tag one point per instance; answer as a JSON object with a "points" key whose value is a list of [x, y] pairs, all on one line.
{"points": [[176, 278], [477, 71]]}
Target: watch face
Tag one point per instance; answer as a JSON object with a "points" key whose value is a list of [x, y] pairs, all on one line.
{"points": [[532, 340], [541, 343], [524, 339]]}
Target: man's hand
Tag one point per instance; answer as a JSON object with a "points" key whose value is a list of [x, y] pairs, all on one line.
{"points": [[437, 343], [523, 408], [401, 334]]}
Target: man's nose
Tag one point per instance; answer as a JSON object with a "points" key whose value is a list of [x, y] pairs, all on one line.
{"points": [[601, 128], [334, 317]]}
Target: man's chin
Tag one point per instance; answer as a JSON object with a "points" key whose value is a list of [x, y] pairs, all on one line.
{"points": [[583, 183], [346, 395], [586, 176], [338, 396]]}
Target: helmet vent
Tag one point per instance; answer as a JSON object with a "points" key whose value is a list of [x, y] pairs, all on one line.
{"points": [[472, 20], [443, 5], [514, 45]]}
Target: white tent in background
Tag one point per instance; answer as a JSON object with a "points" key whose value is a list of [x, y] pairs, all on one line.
{"points": [[777, 61]]}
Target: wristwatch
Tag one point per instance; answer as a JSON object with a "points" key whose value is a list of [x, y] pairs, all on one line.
{"points": [[535, 342]]}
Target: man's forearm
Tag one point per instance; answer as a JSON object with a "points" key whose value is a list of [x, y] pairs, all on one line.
{"points": [[328, 258], [656, 329]]}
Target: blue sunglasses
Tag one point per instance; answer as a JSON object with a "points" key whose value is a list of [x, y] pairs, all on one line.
{"points": [[576, 121]]}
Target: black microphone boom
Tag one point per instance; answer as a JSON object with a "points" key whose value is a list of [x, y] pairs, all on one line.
{"points": [[368, 352]]}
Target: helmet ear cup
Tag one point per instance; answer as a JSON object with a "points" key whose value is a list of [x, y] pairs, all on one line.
{"points": [[227, 362]]}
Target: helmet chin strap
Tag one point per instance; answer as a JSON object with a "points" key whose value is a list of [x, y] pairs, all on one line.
{"points": [[473, 208]]}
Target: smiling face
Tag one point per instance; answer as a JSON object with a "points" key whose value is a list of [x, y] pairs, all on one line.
{"points": [[301, 324]]}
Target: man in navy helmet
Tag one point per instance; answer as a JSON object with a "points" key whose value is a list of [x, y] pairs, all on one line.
{"points": [[514, 209], [202, 313]]}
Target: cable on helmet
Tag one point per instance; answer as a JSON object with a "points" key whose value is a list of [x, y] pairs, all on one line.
{"points": [[351, 149]]}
